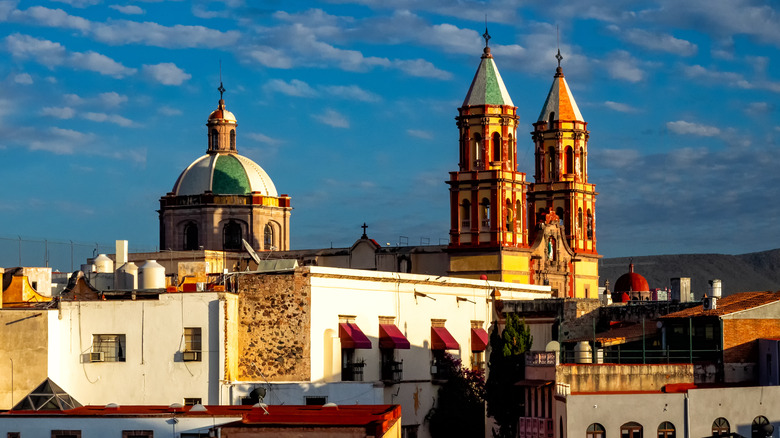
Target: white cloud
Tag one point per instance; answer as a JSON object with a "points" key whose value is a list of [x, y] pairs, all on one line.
{"points": [[99, 63], [270, 57], [688, 128], [42, 16], [23, 79], [112, 99], [121, 32], [59, 112], [111, 118], [60, 141], [759, 108], [128, 9], [351, 92], [166, 73], [80, 3], [332, 118], [621, 65], [620, 107], [659, 42], [420, 68], [295, 88], [425, 135], [262, 138], [168, 111]]}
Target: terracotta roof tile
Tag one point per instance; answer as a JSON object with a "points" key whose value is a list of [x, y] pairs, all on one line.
{"points": [[729, 304]]}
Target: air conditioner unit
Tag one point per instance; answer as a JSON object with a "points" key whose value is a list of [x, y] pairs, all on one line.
{"points": [[96, 356], [190, 356]]}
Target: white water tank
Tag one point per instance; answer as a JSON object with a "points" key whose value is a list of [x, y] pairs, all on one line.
{"points": [[103, 264], [583, 353], [151, 275], [715, 289], [127, 276]]}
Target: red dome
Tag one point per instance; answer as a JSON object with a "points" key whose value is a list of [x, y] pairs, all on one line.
{"points": [[631, 282]]}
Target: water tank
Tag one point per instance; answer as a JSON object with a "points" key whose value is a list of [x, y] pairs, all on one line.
{"points": [[583, 352], [103, 264], [681, 290], [127, 276], [715, 289], [151, 275]]}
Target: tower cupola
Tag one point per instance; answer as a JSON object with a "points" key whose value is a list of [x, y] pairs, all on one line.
{"points": [[221, 127]]}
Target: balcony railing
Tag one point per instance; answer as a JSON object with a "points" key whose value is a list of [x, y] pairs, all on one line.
{"points": [[540, 358], [534, 427], [392, 372], [562, 389], [353, 372]]}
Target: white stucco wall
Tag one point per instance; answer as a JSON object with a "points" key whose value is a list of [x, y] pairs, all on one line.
{"points": [[153, 372], [100, 427]]}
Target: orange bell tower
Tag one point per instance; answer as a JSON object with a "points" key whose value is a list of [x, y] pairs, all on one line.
{"points": [[487, 193], [561, 185]]}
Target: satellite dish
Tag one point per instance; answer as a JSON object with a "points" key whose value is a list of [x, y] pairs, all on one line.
{"points": [[251, 251]]}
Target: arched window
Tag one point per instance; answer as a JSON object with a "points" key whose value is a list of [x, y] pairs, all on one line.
{"points": [[509, 221], [476, 150], [519, 216], [590, 225], [510, 147], [666, 430], [231, 236], [631, 430], [485, 214], [497, 146], [761, 428], [190, 236], [582, 162], [465, 215], [720, 427], [596, 430], [232, 139], [214, 141], [579, 222], [569, 160], [268, 237]]}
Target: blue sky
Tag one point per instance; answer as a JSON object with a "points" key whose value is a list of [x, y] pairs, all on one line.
{"points": [[350, 105]]}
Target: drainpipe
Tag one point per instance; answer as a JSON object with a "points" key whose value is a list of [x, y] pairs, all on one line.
{"points": [[687, 409]]}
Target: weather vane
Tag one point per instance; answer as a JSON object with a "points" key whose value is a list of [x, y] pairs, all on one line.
{"points": [[221, 89], [486, 35]]}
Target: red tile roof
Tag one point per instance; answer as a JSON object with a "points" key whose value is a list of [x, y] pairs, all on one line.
{"points": [[621, 335], [729, 304]]}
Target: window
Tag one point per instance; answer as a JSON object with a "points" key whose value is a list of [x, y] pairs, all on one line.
{"points": [[666, 430], [465, 215], [631, 430], [192, 401], [485, 214], [579, 222], [510, 146], [108, 348], [569, 160], [65, 434], [476, 148], [392, 370], [231, 235], [137, 434], [519, 216], [720, 427], [761, 428], [582, 162], [190, 236], [409, 431], [550, 162], [497, 146], [590, 225], [509, 221], [315, 400], [232, 139], [268, 237], [214, 140], [14, 435], [351, 367], [192, 344], [595, 430], [478, 361]]}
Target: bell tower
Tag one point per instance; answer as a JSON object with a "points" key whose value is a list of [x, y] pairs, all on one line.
{"points": [[561, 188], [487, 193]]}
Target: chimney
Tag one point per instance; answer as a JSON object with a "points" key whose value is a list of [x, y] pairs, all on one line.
{"points": [[121, 252]]}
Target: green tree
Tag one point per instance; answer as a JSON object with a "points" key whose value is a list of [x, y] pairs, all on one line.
{"points": [[506, 367], [460, 404]]}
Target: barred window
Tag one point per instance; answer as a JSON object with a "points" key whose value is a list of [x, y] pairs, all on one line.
{"points": [[108, 348]]}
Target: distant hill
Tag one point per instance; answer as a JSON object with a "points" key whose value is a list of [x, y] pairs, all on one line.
{"points": [[756, 271]]}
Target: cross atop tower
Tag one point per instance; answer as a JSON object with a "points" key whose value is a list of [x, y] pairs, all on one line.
{"points": [[364, 226], [559, 57], [221, 90], [486, 35]]}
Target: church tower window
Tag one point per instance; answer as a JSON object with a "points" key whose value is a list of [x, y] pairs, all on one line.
{"points": [[590, 225], [214, 140], [231, 234], [511, 149], [476, 150], [485, 214], [232, 139], [569, 160], [579, 222], [519, 216], [550, 163], [582, 162], [465, 215], [496, 147], [190, 236], [509, 221]]}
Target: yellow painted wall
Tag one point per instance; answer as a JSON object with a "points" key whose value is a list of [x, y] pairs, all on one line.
{"points": [[23, 343], [20, 292]]}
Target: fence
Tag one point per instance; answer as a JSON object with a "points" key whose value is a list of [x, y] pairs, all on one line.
{"points": [[63, 256]]}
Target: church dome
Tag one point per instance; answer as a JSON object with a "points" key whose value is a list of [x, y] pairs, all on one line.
{"points": [[221, 114], [224, 174], [631, 282]]}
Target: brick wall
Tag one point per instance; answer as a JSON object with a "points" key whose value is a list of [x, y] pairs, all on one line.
{"points": [[740, 338], [274, 315]]}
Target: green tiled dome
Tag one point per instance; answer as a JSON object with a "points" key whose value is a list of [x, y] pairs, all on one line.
{"points": [[224, 174]]}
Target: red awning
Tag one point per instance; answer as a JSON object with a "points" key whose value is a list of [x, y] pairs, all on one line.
{"points": [[391, 337], [441, 339], [479, 339], [352, 337]]}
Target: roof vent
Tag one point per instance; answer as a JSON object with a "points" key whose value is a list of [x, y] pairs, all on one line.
{"points": [[198, 408], [112, 406], [330, 405]]}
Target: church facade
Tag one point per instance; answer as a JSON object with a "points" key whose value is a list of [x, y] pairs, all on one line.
{"points": [[504, 228]]}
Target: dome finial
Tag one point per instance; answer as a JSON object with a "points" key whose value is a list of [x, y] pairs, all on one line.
{"points": [[221, 89], [558, 56], [486, 36]]}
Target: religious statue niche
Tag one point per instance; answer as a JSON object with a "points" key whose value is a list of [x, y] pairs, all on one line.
{"points": [[551, 248]]}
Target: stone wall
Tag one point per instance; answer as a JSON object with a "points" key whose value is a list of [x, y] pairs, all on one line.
{"points": [[274, 315], [610, 377]]}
